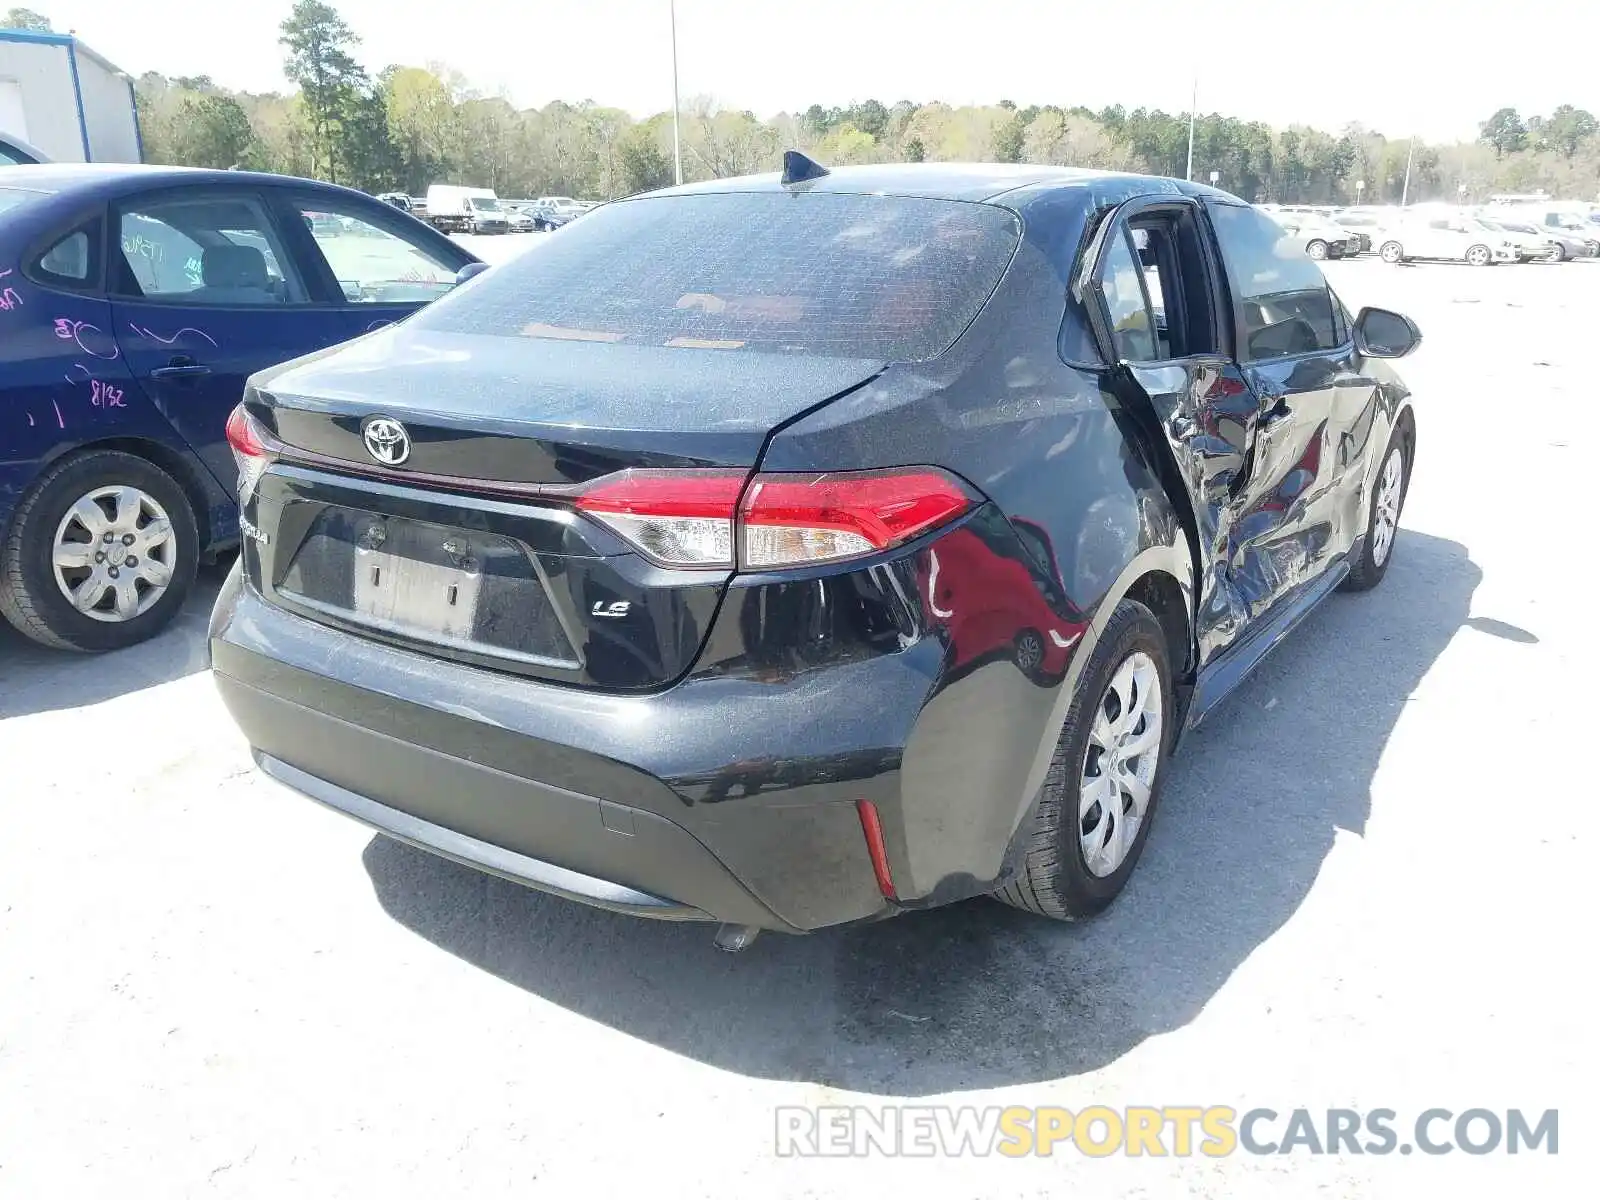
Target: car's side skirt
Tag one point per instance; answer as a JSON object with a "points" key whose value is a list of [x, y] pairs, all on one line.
{"points": [[1220, 677]]}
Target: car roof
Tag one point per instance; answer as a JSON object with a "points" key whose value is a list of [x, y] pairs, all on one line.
{"points": [[943, 181], [109, 179], [17, 146]]}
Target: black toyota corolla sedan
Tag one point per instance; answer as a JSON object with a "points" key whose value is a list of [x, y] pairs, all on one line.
{"points": [[797, 550]]}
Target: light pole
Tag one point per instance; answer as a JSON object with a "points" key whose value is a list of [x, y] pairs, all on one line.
{"points": [[1405, 187], [677, 144], [1194, 97]]}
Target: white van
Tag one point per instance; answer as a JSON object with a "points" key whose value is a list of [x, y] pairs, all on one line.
{"points": [[453, 209]]}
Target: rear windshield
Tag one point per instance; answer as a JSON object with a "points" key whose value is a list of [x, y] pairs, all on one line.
{"points": [[16, 197], [891, 278]]}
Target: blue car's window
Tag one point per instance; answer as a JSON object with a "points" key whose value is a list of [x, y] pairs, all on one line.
{"points": [[204, 250], [882, 277], [374, 265], [16, 197], [69, 259]]}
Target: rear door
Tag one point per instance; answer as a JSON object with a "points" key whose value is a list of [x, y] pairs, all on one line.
{"points": [[369, 264], [1437, 239], [1242, 383], [205, 292]]}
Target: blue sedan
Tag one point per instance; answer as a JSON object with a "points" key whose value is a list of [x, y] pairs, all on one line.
{"points": [[134, 301]]}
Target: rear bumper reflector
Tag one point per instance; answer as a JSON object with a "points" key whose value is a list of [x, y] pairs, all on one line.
{"points": [[872, 830]]}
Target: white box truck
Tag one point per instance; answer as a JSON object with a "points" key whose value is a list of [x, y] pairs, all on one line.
{"points": [[453, 209], [65, 101]]}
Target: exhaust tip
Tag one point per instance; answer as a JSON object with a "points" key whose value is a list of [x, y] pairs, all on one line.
{"points": [[734, 938]]}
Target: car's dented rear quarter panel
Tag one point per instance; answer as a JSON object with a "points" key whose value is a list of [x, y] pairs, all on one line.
{"points": [[1060, 458]]}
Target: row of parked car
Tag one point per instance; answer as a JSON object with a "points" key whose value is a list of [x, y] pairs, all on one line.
{"points": [[1481, 236], [454, 209]]}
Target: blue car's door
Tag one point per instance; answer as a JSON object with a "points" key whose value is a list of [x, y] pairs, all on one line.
{"points": [[204, 292]]}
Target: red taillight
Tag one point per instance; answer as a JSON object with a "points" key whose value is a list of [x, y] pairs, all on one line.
{"points": [[788, 520], [244, 435], [696, 518], [683, 518], [249, 444], [872, 830]]}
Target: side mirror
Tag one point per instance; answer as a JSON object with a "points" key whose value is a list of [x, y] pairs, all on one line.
{"points": [[469, 271], [1380, 333]]}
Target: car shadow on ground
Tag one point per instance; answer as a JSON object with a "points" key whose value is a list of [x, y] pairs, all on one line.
{"points": [[34, 678], [978, 995]]}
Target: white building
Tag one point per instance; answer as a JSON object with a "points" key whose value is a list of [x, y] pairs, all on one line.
{"points": [[66, 100]]}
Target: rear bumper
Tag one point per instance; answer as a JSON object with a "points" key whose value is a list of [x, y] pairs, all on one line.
{"points": [[459, 847], [589, 796], [484, 796], [732, 795]]}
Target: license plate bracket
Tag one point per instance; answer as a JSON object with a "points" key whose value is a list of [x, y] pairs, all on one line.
{"points": [[418, 578]]}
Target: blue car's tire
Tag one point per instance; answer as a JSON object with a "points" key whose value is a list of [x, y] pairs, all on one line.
{"points": [[40, 570]]}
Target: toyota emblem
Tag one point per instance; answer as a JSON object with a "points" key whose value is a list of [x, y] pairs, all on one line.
{"points": [[386, 440]]}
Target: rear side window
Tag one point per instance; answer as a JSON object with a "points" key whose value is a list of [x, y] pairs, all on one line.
{"points": [[881, 277], [1132, 326], [72, 261], [1284, 301], [201, 248]]}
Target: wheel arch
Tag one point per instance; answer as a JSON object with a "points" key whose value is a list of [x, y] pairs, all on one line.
{"points": [[1159, 591], [174, 462], [1405, 424]]}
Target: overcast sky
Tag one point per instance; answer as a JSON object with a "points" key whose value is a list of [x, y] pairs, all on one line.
{"points": [[1400, 66]]}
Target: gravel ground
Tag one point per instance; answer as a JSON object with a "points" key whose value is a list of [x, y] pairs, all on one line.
{"points": [[1366, 889]]}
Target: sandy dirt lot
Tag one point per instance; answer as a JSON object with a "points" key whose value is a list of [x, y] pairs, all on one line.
{"points": [[1371, 886]]}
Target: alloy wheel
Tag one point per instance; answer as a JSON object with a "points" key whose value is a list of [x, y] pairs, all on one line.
{"points": [[114, 553], [1386, 511], [1119, 767], [1478, 256]]}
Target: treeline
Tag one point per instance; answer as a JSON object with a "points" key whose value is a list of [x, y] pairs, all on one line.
{"points": [[412, 126]]}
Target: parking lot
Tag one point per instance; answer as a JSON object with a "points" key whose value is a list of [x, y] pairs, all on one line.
{"points": [[1369, 886]]}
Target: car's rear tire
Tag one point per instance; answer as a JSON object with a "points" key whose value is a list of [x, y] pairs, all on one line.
{"points": [[1479, 256], [1094, 810], [101, 553], [1317, 249], [1383, 517], [1392, 252]]}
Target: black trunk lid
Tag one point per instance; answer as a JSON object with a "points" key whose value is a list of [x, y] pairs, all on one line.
{"points": [[469, 549], [544, 411]]}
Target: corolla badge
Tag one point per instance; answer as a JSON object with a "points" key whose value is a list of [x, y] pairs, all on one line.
{"points": [[386, 440]]}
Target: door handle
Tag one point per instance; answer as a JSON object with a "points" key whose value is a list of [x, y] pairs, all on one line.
{"points": [[181, 367], [1275, 409]]}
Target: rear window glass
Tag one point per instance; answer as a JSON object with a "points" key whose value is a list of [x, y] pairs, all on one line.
{"points": [[15, 197], [882, 277]]}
